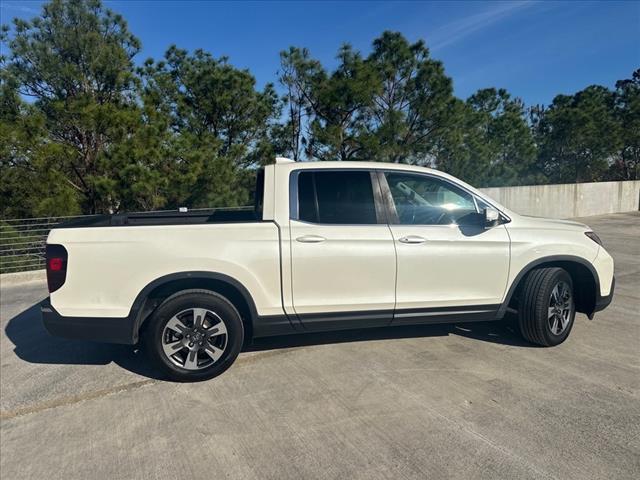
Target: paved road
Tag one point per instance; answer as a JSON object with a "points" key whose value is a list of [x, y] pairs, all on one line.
{"points": [[465, 401]]}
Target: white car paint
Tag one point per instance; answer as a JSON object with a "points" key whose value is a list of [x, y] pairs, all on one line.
{"points": [[355, 268]]}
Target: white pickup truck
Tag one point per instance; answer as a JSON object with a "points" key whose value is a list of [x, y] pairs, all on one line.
{"points": [[328, 245]]}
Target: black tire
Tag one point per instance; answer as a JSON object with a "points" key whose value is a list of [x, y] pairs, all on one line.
{"points": [[153, 337], [533, 311]]}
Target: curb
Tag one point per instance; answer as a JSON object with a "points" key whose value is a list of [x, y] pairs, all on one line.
{"points": [[10, 279]]}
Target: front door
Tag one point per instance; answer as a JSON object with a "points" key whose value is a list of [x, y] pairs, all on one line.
{"points": [[448, 264], [343, 261]]}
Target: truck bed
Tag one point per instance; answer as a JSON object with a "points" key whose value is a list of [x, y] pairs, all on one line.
{"points": [[109, 266]]}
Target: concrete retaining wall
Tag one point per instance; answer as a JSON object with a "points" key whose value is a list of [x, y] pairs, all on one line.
{"points": [[569, 200]]}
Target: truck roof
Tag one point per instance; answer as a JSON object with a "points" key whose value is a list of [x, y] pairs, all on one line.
{"points": [[291, 164]]}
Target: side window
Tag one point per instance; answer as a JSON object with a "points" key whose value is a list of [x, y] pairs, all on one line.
{"points": [[482, 205], [336, 197], [307, 209], [424, 200]]}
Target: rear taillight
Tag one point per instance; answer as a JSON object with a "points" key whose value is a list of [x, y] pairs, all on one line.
{"points": [[56, 266]]}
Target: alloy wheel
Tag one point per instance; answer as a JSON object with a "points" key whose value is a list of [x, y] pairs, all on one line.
{"points": [[560, 308], [194, 339]]}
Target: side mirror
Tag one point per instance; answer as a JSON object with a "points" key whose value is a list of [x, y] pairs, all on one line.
{"points": [[491, 217]]}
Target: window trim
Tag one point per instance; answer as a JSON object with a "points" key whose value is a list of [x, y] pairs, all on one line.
{"points": [[294, 207], [392, 213]]}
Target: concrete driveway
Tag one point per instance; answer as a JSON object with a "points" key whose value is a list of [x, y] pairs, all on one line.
{"points": [[459, 401]]}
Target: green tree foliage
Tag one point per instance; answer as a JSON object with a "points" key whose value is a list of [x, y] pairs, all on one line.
{"points": [[626, 165], [84, 131], [335, 103], [414, 105], [502, 141], [218, 126], [457, 149], [392, 106], [297, 68], [339, 102], [397, 105], [75, 63], [577, 135], [29, 186]]}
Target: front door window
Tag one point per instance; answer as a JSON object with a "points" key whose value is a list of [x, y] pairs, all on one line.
{"points": [[424, 200]]}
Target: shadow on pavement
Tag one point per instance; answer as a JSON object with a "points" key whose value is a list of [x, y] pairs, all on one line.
{"points": [[34, 344], [501, 332]]}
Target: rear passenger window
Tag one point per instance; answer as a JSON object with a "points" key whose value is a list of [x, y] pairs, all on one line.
{"points": [[307, 198], [334, 197]]}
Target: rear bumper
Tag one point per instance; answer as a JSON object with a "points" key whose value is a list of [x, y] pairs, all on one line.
{"points": [[603, 302], [108, 330]]}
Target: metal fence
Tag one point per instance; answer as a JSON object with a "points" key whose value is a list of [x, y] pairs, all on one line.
{"points": [[22, 240]]}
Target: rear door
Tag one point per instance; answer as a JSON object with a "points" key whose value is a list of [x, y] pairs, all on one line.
{"points": [[448, 264], [343, 261]]}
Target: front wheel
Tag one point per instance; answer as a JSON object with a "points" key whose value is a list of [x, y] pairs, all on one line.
{"points": [[547, 307], [194, 335]]}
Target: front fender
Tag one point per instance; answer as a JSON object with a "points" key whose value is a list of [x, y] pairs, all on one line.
{"points": [[583, 267]]}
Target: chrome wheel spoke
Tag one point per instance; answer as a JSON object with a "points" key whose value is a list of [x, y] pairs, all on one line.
{"points": [[176, 325], [560, 308], [172, 348], [214, 352], [198, 317], [218, 329], [555, 295], [563, 321], [191, 360]]}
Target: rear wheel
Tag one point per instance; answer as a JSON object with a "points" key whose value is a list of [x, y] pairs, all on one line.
{"points": [[547, 307], [194, 335]]}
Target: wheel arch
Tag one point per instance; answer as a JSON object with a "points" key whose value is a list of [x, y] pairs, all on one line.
{"points": [[157, 291], [583, 274]]}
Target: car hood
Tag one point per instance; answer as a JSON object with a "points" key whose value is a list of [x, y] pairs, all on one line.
{"points": [[553, 223]]}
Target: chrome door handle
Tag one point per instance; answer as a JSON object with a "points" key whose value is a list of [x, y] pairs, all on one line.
{"points": [[412, 239], [311, 239]]}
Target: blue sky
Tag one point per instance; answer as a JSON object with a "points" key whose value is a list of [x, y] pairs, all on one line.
{"points": [[535, 49]]}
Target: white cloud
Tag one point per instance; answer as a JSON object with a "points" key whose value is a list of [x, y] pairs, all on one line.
{"points": [[459, 29]]}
